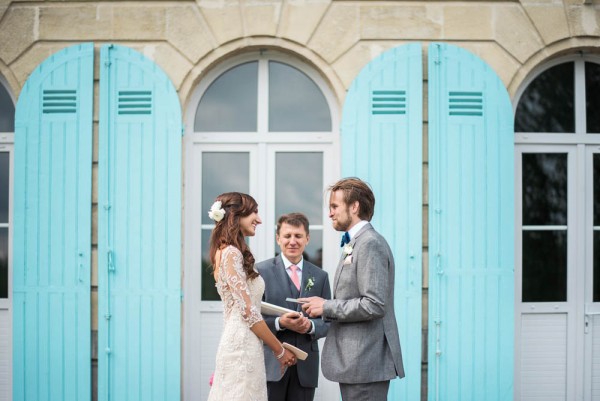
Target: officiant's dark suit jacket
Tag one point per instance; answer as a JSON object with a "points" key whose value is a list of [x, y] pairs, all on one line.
{"points": [[363, 344], [278, 287]]}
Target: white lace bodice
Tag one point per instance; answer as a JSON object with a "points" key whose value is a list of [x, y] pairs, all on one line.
{"points": [[240, 367], [237, 293]]}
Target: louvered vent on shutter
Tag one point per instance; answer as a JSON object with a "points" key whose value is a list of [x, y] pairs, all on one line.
{"points": [[135, 102], [465, 103], [388, 102], [59, 101]]}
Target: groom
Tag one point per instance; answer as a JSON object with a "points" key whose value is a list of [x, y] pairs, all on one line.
{"points": [[362, 349]]}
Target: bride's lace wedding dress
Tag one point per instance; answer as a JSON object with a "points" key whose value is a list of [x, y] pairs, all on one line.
{"points": [[240, 368]]}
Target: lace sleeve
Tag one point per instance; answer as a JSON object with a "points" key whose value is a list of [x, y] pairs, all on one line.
{"points": [[235, 277]]}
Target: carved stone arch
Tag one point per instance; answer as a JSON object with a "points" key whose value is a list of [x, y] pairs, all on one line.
{"points": [[242, 45]]}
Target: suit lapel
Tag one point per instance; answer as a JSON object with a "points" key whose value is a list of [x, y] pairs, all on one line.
{"points": [[338, 271], [307, 271], [340, 266]]}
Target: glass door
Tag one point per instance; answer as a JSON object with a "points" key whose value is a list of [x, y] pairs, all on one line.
{"points": [[298, 180], [5, 173], [6, 164], [211, 170], [546, 273], [592, 281], [266, 124]]}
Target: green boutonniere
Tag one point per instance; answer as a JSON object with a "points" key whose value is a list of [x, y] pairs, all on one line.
{"points": [[309, 284]]}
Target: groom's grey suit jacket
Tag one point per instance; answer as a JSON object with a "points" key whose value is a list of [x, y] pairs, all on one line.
{"points": [[278, 287], [363, 344]]}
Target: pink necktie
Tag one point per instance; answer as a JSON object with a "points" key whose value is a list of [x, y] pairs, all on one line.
{"points": [[294, 276]]}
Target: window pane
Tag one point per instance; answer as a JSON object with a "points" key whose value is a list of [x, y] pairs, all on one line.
{"points": [[209, 291], [7, 111], [295, 102], [544, 189], [596, 249], [313, 251], [548, 102], [596, 179], [544, 266], [4, 188], [596, 266], [592, 97], [223, 172], [4, 262], [299, 184], [230, 102]]}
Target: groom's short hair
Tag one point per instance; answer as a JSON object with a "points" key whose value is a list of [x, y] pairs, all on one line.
{"points": [[293, 219], [354, 190]]}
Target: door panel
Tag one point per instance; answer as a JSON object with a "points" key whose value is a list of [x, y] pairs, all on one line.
{"points": [[52, 229], [546, 295], [6, 205], [592, 275], [203, 311], [543, 360], [382, 144], [139, 225], [471, 234], [266, 172]]}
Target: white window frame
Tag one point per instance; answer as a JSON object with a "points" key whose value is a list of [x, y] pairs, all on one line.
{"points": [[330, 243], [591, 309], [6, 304], [579, 136], [262, 133], [7, 145], [7, 140], [578, 145], [193, 220], [265, 144]]}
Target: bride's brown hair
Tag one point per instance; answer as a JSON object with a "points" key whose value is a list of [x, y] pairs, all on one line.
{"points": [[228, 231]]}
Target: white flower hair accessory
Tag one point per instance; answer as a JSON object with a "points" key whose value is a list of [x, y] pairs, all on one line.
{"points": [[216, 212]]}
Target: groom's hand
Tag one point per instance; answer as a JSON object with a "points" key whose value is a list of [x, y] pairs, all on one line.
{"points": [[295, 321], [312, 306]]}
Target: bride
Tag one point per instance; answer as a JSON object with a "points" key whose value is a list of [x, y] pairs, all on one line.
{"points": [[240, 368]]}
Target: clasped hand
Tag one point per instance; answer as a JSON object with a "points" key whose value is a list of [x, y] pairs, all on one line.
{"points": [[295, 321], [288, 359]]}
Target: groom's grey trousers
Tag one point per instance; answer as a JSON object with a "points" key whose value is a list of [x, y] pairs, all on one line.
{"points": [[376, 391]]}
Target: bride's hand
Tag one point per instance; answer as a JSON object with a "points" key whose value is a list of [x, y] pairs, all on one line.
{"points": [[288, 359]]}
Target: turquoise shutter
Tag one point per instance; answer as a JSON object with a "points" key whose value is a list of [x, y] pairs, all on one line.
{"points": [[139, 223], [382, 144], [52, 233], [471, 229]]}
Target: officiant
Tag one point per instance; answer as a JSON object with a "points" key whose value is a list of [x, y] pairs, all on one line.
{"points": [[290, 275]]}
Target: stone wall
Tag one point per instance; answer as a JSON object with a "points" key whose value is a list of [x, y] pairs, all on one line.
{"points": [[338, 38]]}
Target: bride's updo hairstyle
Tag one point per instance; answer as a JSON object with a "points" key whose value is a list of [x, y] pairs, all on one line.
{"points": [[227, 231]]}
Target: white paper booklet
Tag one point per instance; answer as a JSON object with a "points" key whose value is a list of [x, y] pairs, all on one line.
{"points": [[296, 351], [274, 310]]}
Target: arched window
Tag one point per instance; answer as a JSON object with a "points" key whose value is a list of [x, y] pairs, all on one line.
{"points": [[265, 124], [266, 128], [557, 135], [295, 102]]}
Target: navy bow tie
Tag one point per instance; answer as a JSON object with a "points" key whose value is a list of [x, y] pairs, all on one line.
{"points": [[345, 239]]}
